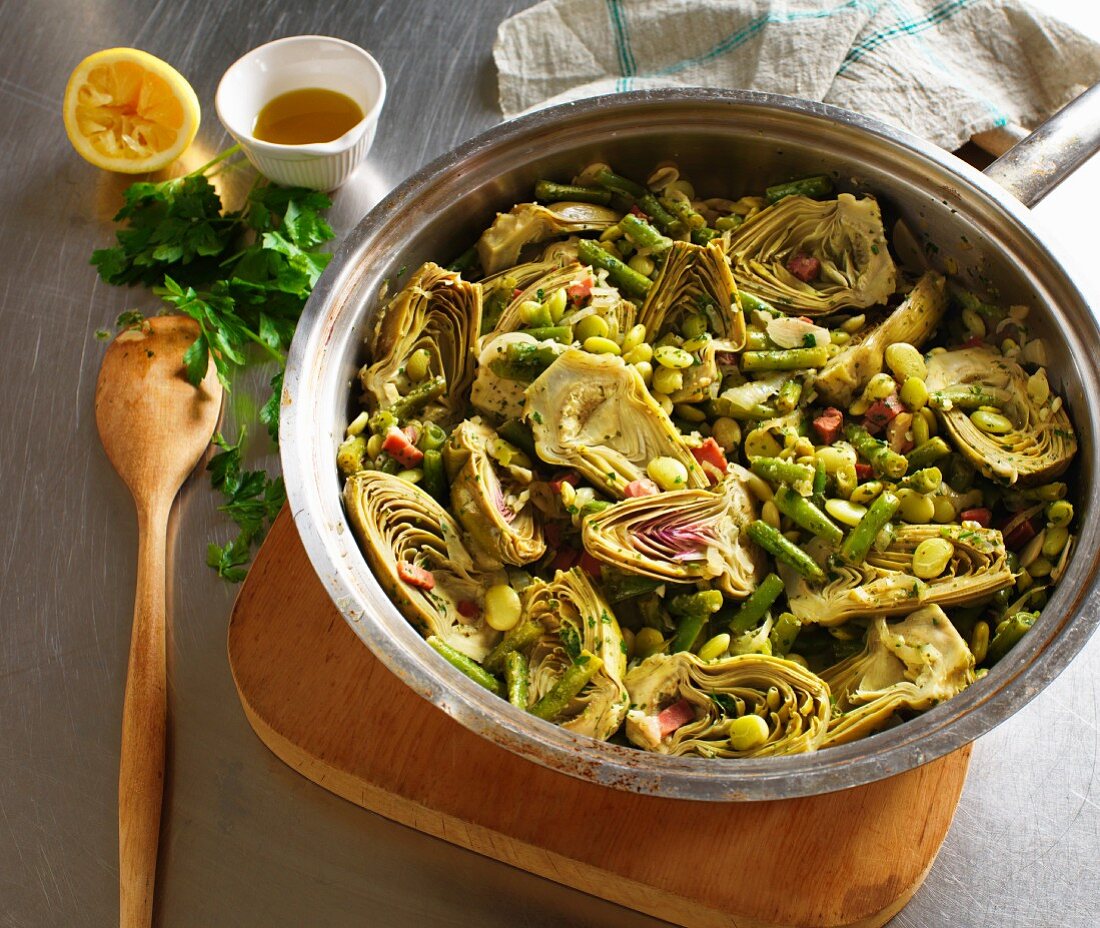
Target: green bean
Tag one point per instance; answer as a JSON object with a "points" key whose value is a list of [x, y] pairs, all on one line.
{"points": [[720, 406], [705, 602], [728, 223], [784, 359], [776, 470], [642, 234], [789, 395], [688, 628], [662, 218], [514, 431], [879, 454], [751, 303], [927, 454], [518, 639], [629, 279], [619, 586], [550, 192], [616, 183], [817, 187], [495, 302], [821, 480], [432, 437], [435, 478], [755, 607], [804, 513], [570, 683], [517, 679], [417, 398], [860, 539], [382, 421], [774, 543], [684, 211], [465, 261], [926, 480], [965, 398], [551, 333], [466, 665], [1008, 635], [783, 633], [704, 235]]}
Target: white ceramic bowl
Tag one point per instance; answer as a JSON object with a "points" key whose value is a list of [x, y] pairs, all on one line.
{"points": [[294, 63]]}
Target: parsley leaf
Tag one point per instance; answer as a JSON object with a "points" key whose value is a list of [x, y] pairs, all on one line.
{"points": [[244, 276]]}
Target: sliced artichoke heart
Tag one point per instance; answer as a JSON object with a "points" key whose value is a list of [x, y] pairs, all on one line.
{"points": [[575, 618], [912, 664], [526, 223], [1041, 443], [845, 235], [914, 321], [439, 312], [593, 412], [682, 536], [695, 280], [704, 697], [492, 502], [398, 522], [884, 583]]}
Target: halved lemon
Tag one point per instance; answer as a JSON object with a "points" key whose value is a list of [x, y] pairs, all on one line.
{"points": [[128, 111]]}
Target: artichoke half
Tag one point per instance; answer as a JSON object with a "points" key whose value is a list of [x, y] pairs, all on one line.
{"points": [[500, 245], [397, 523], [885, 585], [1041, 442], [575, 617], [593, 412], [436, 311], [695, 280], [682, 536], [913, 664], [845, 235], [702, 698], [491, 500], [914, 321]]}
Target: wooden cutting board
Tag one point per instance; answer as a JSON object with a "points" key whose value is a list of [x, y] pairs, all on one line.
{"points": [[319, 699]]}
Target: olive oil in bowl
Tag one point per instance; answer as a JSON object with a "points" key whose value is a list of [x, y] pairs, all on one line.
{"points": [[306, 116]]}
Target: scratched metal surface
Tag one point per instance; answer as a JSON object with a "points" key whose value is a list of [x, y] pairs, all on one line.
{"points": [[248, 842]]}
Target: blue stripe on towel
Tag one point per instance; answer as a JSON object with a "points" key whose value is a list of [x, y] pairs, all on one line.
{"points": [[742, 35], [913, 26], [627, 65]]}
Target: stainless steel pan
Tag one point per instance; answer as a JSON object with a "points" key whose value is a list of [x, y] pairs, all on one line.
{"points": [[727, 143]]}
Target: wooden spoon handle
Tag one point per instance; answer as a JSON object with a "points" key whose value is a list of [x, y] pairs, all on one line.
{"points": [[144, 717]]}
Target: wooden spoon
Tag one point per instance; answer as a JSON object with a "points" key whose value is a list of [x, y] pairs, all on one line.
{"points": [[155, 427]]}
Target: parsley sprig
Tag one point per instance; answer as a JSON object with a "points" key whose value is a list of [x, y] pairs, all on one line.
{"points": [[244, 277]]}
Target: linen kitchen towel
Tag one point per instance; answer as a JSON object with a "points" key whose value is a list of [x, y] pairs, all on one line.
{"points": [[948, 70]]}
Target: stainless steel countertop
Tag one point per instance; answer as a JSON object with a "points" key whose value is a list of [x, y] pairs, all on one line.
{"points": [[247, 842]]}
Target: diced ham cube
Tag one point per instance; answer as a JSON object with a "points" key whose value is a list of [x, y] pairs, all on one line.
{"points": [[864, 471], [415, 575], [398, 447], [634, 211], [579, 291], [1019, 536], [567, 476], [980, 515], [642, 487], [804, 267], [828, 425], [881, 413], [675, 716], [710, 452], [467, 608]]}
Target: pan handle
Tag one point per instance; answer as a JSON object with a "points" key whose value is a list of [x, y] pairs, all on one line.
{"points": [[1034, 167]]}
